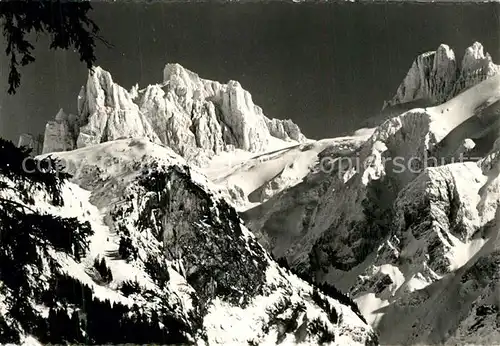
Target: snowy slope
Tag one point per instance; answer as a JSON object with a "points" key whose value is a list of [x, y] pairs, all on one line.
{"points": [[471, 102], [262, 176], [175, 255]]}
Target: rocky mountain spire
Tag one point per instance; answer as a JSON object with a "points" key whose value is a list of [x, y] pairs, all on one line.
{"points": [[476, 66], [197, 118], [60, 133], [107, 112], [436, 76]]}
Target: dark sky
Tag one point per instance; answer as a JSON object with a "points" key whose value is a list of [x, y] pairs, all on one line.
{"points": [[326, 66]]}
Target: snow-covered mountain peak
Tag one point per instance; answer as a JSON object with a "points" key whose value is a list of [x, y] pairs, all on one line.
{"points": [[101, 91], [431, 75], [437, 76], [197, 118], [176, 74], [474, 54], [175, 70]]}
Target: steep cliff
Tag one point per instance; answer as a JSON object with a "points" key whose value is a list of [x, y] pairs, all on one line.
{"points": [[60, 134]]}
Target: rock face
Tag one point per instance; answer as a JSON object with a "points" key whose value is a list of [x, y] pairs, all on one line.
{"points": [[330, 224], [107, 112], [197, 118], [437, 76], [284, 129], [60, 134], [400, 222], [25, 140]]}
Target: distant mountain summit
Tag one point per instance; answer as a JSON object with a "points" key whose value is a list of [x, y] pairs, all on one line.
{"points": [[197, 118], [28, 140], [437, 76]]}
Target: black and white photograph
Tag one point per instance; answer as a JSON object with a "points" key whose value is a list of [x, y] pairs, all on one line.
{"points": [[249, 172]]}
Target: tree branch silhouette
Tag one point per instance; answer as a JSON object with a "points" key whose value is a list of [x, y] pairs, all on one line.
{"points": [[65, 22]]}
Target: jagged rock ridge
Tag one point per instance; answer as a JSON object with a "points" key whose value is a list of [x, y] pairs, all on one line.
{"points": [[197, 118], [436, 76]]}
